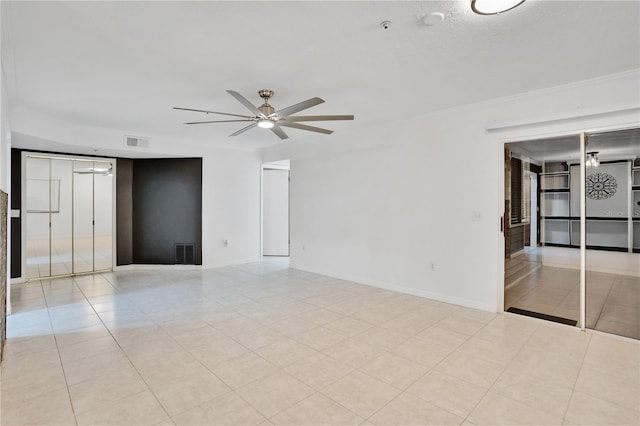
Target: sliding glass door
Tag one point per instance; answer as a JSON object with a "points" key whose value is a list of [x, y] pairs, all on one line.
{"points": [[612, 198], [68, 216], [542, 276], [584, 269]]}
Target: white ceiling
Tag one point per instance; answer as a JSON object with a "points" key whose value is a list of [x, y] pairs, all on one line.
{"points": [[124, 65]]}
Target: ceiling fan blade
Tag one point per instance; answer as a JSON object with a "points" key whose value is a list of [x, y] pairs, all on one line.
{"points": [[319, 118], [244, 101], [285, 112], [219, 121], [244, 129], [212, 112], [278, 131], [305, 127]]}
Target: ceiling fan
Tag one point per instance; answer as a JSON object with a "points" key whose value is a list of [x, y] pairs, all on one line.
{"points": [[266, 116]]}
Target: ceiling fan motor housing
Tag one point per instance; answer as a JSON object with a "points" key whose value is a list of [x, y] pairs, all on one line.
{"points": [[266, 94], [266, 109]]}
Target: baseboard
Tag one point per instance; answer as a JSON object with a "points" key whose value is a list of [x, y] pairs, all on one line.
{"points": [[516, 254], [232, 263], [135, 267], [400, 289], [141, 267]]}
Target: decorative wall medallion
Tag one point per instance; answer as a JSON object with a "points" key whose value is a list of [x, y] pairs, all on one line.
{"points": [[601, 186]]}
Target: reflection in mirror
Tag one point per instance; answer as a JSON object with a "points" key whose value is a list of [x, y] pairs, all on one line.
{"points": [[542, 256], [613, 225], [68, 216]]}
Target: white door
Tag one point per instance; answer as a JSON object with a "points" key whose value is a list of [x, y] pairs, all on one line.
{"points": [[275, 222]]}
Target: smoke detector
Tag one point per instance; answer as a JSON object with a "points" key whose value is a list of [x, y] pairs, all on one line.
{"points": [[433, 18]]}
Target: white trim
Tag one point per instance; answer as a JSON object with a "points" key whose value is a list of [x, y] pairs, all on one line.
{"points": [[267, 166], [262, 210], [459, 301], [583, 230], [566, 116]]}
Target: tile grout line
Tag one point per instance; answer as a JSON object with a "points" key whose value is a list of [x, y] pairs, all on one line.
{"points": [[595, 324], [500, 375], [123, 351], [404, 391], [55, 338], [575, 383]]}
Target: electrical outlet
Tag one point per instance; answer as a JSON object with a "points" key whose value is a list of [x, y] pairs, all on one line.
{"points": [[433, 266]]}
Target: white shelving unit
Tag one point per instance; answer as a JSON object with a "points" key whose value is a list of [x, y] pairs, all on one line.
{"points": [[617, 229], [555, 208]]}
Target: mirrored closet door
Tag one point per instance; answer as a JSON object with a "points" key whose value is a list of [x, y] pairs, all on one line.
{"points": [[68, 227]]}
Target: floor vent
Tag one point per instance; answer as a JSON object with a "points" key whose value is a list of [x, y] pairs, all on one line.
{"points": [[185, 254]]}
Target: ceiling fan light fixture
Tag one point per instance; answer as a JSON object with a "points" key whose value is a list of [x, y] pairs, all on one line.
{"points": [[265, 123], [494, 7]]}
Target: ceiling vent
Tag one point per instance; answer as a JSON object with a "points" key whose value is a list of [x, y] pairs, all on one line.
{"points": [[137, 142]]}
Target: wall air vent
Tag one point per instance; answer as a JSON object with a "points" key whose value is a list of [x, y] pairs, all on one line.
{"points": [[185, 254], [137, 142]]}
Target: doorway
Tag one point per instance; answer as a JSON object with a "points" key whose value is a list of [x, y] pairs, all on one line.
{"points": [[69, 215], [584, 269], [275, 208]]}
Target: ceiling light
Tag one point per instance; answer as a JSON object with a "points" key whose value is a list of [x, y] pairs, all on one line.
{"points": [[265, 123], [592, 159], [494, 7]]}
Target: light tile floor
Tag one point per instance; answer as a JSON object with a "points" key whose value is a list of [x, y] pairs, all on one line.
{"points": [[264, 344], [612, 301]]}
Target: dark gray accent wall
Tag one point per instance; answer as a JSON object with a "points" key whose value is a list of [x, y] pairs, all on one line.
{"points": [[124, 211], [167, 208], [15, 269]]}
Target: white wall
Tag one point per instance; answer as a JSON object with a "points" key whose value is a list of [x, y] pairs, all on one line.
{"points": [[5, 161], [230, 207], [230, 181], [381, 205], [5, 138]]}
